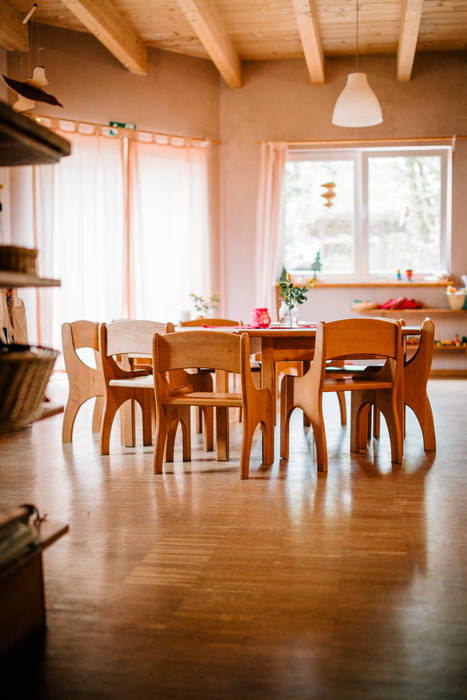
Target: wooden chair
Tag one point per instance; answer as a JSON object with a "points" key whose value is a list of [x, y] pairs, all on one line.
{"points": [[206, 321], [123, 338], [227, 352], [416, 373], [206, 384], [341, 340], [84, 382]]}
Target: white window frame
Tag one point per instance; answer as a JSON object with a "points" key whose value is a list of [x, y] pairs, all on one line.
{"points": [[360, 157]]}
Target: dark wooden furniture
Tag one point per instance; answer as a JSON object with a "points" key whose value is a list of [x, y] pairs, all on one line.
{"points": [[22, 599]]}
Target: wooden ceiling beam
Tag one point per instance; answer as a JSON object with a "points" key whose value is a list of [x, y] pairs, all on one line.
{"points": [[205, 20], [408, 37], [112, 30], [13, 33], [308, 27]]}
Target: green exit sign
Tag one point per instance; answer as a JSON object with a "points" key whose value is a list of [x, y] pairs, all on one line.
{"points": [[123, 125]]}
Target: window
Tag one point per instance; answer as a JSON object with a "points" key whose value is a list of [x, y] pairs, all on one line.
{"points": [[368, 212]]}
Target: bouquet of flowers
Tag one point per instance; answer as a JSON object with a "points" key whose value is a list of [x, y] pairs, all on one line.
{"points": [[291, 292], [204, 306]]}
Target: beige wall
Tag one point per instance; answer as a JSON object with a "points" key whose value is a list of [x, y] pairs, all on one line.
{"points": [[185, 95], [278, 103]]}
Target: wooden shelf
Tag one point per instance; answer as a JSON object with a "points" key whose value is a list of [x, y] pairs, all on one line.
{"points": [[402, 312], [451, 347], [25, 142], [8, 278], [50, 409], [386, 283]]}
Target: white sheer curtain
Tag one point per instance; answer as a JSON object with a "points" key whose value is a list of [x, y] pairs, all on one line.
{"points": [[169, 228], [273, 156], [80, 233]]}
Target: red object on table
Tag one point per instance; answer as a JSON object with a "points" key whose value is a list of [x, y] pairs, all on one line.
{"points": [[260, 317]]}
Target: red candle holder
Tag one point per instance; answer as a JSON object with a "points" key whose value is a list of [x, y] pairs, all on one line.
{"points": [[260, 317]]}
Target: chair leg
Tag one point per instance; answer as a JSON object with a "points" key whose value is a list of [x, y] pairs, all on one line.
{"points": [[268, 441], [69, 416], [199, 419], [425, 418], [127, 424], [245, 452], [208, 419], [170, 442], [160, 439], [110, 409], [319, 434], [341, 399], [97, 414], [360, 424], [184, 414], [391, 415], [145, 402], [376, 422], [286, 408]]}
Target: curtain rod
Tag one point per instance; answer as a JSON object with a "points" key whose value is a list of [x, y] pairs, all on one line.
{"points": [[402, 139], [55, 121]]}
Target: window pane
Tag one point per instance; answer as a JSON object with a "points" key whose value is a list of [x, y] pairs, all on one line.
{"points": [[404, 210], [313, 223]]}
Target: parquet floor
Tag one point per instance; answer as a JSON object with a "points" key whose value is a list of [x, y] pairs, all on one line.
{"points": [[289, 585]]}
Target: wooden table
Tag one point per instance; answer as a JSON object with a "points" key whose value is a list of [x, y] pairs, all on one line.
{"points": [[288, 344], [275, 345]]}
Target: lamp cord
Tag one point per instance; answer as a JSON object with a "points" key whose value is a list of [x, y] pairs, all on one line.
{"points": [[356, 32]]}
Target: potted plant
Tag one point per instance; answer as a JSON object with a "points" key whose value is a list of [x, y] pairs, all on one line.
{"points": [[317, 265]]}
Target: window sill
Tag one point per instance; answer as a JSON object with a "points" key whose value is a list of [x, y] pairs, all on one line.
{"points": [[386, 283]]}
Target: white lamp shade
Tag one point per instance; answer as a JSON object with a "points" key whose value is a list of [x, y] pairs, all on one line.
{"points": [[357, 105]]}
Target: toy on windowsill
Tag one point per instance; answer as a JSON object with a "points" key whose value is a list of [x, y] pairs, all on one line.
{"points": [[456, 342]]}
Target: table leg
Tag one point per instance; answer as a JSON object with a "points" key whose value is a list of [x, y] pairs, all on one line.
{"points": [[268, 379], [222, 419]]}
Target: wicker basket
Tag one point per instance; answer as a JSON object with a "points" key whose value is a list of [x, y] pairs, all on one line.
{"points": [[17, 259], [23, 378]]}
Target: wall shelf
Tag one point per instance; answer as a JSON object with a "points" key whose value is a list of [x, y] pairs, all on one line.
{"points": [[385, 283], [25, 142], [9, 278], [402, 312]]}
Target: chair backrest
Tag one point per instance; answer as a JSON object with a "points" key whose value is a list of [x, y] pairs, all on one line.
{"points": [[83, 334], [359, 337], [86, 381], [194, 349], [131, 336], [419, 365], [205, 321]]}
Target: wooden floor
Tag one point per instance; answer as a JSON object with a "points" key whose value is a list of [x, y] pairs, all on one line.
{"points": [[195, 584]]}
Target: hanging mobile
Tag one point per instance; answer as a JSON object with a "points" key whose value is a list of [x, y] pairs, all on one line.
{"points": [[31, 90], [329, 194]]}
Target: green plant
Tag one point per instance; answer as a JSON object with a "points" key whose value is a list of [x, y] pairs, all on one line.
{"points": [[205, 305], [291, 292], [317, 265]]}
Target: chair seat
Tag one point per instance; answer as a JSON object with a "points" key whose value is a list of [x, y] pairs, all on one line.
{"points": [[205, 398], [144, 382], [346, 383]]}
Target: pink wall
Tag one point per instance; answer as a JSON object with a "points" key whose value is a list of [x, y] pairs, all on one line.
{"points": [[278, 103], [178, 95], [185, 95]]}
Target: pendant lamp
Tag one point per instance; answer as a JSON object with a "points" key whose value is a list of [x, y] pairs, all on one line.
{"points": [[357, 105]]}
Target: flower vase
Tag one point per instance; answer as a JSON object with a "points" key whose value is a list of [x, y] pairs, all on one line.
{"points": [[294, 315], [288, 315]]}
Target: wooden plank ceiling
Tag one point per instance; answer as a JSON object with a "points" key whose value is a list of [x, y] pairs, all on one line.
{"points": [[231, 31]]}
